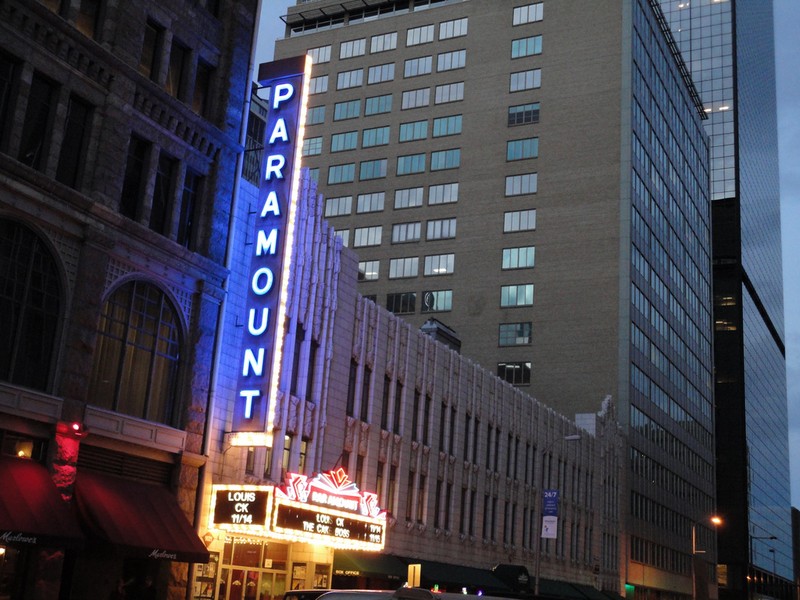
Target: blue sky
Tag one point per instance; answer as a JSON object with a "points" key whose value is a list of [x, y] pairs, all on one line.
{"points": [[787, 53]]}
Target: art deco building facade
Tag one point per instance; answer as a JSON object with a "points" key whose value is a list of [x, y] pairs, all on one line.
{"points": [[458, 458], [729, 48], [473, 153], [120, 128]]}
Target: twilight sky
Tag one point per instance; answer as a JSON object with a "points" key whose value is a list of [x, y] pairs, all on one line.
{"points": [[787, 53]]}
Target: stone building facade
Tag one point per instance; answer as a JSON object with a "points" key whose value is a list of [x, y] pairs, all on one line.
{"points": [[120, 134]]}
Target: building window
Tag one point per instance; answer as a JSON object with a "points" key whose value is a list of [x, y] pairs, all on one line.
{"points": [[370, 202], [449, 61], [446, 159], [522, 149], [443, 193], [439, 264], [376, 136], [441, 229], [516, 295], [530, 13], [372, 169], [383, 42], [445, 126], [190, 201], [137, 355], [519, 220], [523, 114], [454, 28], [73, 146], [341, 173], [88, 18], [419, 35], [313, 146], [417, 130], [176, 70], [344, 141], [134, 181], [515, 373], [346, 110], [401, 268], [344, 235], [9, 72], [349, 79], [528, 46], [320, 55], [518, 258], [377, 105], [401, 303], [318, 85], [413, 163], [148, 59], [452, 92], [367, 236], [518, 185], [38, 122], [368, 270], [408, 198], [515, 334], [525, 80], [163, 193], [415, 67], [202, 88], [30, 307], [352, 48], [415, 98], [335, 207], [315, 115], [405, 232], [437, 301], [380, 73]]}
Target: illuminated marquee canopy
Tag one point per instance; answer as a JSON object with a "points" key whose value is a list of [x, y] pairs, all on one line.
{"points": [[327, 509]]}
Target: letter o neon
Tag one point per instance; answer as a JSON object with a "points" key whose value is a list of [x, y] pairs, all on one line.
{"points": [[260, 290]]}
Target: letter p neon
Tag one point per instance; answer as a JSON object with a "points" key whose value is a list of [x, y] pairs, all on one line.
{"points": [[282, 92]]}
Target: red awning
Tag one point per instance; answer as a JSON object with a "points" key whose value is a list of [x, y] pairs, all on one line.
{"points": [[32, 512], [142, 518]]}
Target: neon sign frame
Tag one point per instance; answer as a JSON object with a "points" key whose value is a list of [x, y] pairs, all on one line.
{"points": [[271, 251]]}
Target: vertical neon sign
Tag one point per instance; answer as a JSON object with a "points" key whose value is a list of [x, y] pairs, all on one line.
{"points": [[270, 249]]}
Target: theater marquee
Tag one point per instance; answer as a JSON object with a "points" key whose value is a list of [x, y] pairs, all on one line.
{"points": [[327, 509]]}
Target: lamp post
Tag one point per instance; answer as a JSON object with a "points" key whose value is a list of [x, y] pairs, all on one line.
{"points": [[538, 556], [716, 522], [751, 583]]}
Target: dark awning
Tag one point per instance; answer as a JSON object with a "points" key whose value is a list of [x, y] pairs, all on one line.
{"points": [[142, 518], [447, 576], [32, 512], [369, 564], [551, 588]]}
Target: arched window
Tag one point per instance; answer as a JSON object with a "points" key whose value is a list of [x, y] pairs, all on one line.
{"points": [[30, 307], [136, 361]]}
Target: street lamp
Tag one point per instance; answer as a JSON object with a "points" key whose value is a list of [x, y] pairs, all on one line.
{"points": [[696, 561], [538, 556]]}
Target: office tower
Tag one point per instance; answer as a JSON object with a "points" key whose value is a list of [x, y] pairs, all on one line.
{"points": [[534, 175], [729, 49], [118, 153]]}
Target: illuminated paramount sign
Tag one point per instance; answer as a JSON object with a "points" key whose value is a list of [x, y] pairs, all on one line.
{"points": [[328, 509], [270, 250]]}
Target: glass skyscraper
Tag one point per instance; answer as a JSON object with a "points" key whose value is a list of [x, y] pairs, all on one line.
{"points": [[729, 47]]}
